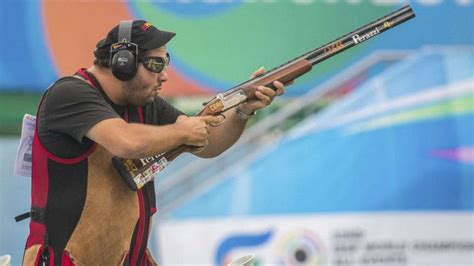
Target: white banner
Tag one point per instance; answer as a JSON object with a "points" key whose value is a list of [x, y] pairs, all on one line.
{"points": [[354, 239], [23, 162]]}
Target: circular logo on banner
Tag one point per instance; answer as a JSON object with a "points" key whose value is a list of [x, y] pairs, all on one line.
{"points": [[300, 247]]}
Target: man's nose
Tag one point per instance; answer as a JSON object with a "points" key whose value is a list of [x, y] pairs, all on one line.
{"points": [[163, 77]]}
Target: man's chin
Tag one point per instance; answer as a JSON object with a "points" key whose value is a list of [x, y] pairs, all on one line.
{"points": [[142, 102], [147, 101], [151, 99]]}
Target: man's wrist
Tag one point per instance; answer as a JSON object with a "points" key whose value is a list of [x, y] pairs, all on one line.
{"points": [[180, 130], [242, 114]]}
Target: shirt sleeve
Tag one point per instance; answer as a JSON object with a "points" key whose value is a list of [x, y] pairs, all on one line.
{"points": [[72, 107]]}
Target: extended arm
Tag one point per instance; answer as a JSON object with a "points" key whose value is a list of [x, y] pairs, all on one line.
{"points": [[225, 135], [131, 140]]}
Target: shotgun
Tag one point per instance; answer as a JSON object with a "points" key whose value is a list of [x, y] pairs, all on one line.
{"points": [[137, 172]]}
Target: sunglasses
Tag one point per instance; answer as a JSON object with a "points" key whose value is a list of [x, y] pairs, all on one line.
{"points": [[156, 64]]}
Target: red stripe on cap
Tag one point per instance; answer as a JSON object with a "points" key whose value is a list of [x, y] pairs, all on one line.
{"points": [[145, 26]]}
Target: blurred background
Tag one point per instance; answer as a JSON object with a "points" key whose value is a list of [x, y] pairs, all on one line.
{"points": [[367, 160]]}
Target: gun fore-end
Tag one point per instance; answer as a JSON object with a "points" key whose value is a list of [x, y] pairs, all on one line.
{"points": [[284, 74]]}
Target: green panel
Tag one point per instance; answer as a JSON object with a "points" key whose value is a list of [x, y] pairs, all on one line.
{"points": [[12, 108], [229, 46]]}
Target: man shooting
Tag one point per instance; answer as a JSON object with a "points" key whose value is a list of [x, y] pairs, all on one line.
{"points": [[82, 211]]}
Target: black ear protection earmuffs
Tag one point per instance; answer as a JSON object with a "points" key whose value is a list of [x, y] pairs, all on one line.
{"points": [[124, 54]]}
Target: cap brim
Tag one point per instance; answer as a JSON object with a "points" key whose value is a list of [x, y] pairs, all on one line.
{"points": [[159, 40]]}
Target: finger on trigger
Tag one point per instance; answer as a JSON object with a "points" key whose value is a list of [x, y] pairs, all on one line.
{"points": [[208, 119], [218, 120]]}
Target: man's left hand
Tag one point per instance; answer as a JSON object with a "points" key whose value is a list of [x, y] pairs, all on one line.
{"points": [[264, 95]]}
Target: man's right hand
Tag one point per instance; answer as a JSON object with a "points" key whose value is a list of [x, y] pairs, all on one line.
{"points": [[196, 129]]}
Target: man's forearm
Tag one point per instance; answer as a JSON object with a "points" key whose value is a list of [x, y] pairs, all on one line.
{"points": [[135, 140], [151, 140], [225, 135]]}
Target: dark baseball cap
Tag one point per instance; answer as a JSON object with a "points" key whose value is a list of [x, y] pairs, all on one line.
{"points": [[144, 34]]}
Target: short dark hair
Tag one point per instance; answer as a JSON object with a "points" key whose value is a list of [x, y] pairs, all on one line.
{"points": [[101, 62]]}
